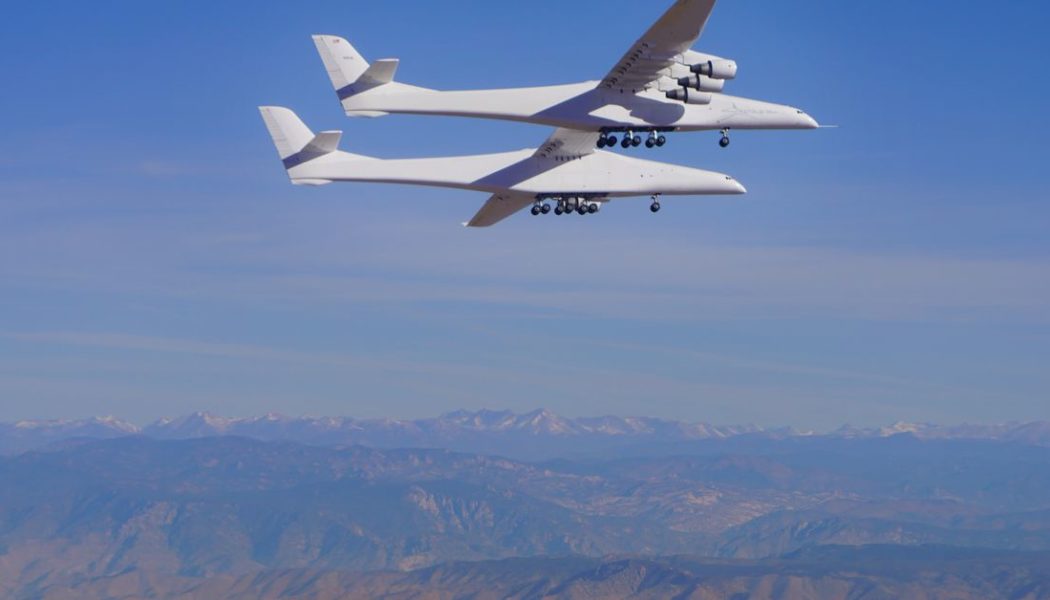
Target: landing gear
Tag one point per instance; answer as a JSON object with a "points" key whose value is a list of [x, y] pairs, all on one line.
{"points": [[592, 208], [630, 139], [536, 210], [559, 210], [724, 142], [546, 208], [655, 206], [655, 139]]}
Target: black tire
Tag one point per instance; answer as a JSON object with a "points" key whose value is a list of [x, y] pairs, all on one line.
{"points": [[650, 142], [655, 207], [601, 142], [592, 208], [558, 211], [636, 141], [610, 141], [724, 142], [546, 208], [535, 211], [660, 141], [626, 143]]}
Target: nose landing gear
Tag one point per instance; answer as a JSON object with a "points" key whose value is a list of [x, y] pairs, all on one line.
{"points": [[724, 142]]}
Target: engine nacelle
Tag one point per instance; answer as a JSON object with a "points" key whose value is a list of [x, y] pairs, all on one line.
{"points": [[689, 96], [724, 69], [702, 83], [709, 65]]}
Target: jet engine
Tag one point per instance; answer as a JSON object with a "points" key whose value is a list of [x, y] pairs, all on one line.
{"points": [[711, 66], [689, 96], [702, 83]]}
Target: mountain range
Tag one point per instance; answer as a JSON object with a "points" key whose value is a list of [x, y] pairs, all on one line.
{"points": [[482, 431], [495, 504]]}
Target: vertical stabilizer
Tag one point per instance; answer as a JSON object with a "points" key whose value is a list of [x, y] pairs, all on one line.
{"points": [[344, 63], [288, 131]]}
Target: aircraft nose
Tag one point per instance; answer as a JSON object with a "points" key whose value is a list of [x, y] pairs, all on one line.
{"points": [[807, 121], [732, 186]]}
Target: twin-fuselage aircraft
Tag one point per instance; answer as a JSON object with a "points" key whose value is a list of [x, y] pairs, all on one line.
{"points": [[660, 86]]}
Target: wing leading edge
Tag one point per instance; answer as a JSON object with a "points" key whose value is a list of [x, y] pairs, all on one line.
{"points": [[674, 33]]}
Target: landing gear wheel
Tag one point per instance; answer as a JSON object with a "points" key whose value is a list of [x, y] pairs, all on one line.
{"points": [[655, 207], [660, 141], [649, 143], [592, 208], [724, 142], [610, 141], [536, 210], [581, 209], [601, 142], [546, 208], [626, 143], [558, 210], [636, 141]]}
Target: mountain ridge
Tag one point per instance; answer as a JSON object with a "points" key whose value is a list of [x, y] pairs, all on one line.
{"points": [[471, 429]]}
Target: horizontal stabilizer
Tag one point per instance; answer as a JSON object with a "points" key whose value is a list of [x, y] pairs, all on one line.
{"points": [[325, 142], [380, 72]]}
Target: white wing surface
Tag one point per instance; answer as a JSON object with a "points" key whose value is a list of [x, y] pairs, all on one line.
{"points": [[499, 207], [676, 31], [568, 143]]}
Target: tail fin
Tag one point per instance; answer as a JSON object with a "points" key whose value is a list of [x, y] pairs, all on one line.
{"points": [[349, 71], [296, 144]]}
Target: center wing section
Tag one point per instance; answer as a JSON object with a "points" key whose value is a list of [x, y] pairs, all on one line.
{"points": [[660, 47], [568, 143], [562, 145]]}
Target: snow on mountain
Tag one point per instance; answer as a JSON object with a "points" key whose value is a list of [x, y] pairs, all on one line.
{"points": [[529, 434]]}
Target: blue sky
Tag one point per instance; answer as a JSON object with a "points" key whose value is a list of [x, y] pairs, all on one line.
{"points": [[155, 261]]}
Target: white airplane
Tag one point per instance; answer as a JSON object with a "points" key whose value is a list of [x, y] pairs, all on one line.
{"points": [[567, 171], [659, 86]]}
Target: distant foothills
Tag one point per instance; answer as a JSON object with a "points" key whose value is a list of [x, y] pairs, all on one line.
{"points": [[470, 430], [503, 505]]}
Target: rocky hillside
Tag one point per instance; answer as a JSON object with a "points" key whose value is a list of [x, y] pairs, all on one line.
{"points": [[831, 573], [220, 509]]}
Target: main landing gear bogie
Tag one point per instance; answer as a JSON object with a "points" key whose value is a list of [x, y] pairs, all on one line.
{"points": [[567, 206], [580, 206], [630, 139], [540, 208]]}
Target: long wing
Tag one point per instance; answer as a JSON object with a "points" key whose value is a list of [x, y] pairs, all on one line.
{"points": [[659, 48], [561, 145], [568, 143], [499, 207]]}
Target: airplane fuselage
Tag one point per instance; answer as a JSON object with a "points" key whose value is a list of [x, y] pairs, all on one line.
{"points": [[598, 175], [584, 106]]}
